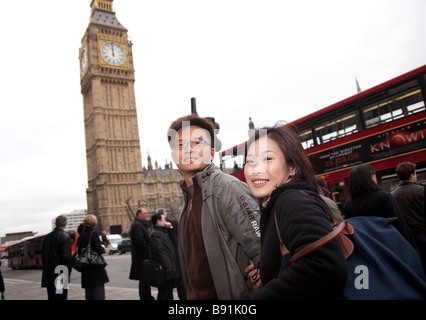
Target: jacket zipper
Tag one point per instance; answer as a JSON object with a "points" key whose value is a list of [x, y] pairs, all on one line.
{"points": [[189, 209]]}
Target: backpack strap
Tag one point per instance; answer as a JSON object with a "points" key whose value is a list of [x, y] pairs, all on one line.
{"points": [[283, 248], [337, 231], [340, 231]]}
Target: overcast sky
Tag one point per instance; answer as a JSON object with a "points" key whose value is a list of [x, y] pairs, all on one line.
{"points": [[265, 59]]}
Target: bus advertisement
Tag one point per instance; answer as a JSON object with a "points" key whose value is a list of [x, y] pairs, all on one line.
{"points": [[404, 139]]}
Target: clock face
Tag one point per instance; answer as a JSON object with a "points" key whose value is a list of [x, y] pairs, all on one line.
{"points": [[113, 54], [83, 61]]}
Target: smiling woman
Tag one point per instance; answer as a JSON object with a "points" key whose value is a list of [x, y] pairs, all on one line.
{"points": [[275, 154], [266, 168], [281, 177]]}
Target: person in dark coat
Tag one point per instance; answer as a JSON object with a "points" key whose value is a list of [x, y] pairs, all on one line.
{"points": [[409, 196], [139, 239], [172, 228], [92, 279], [281, 177], [163, 251], [56, 251], [2, 288], [368, 199]]}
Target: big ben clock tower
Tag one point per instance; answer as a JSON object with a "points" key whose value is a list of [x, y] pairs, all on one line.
{"points": [[114, 164]]}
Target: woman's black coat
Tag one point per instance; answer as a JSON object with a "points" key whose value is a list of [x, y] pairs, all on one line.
{"points": [[303, 217], [92, 277]]}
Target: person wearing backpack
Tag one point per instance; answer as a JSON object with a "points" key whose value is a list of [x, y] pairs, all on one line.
{"points": [[368, 199]]}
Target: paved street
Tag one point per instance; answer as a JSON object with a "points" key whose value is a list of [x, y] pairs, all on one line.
{"points": [[26, 284], [17, 289]]}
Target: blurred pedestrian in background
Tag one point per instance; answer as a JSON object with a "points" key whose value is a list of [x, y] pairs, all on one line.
{"points": [[92, 279], [139, 240], [409, 196], [366, 198], [163, 252], [324, 193], [56, 251], [172, 228], [2, 288]]}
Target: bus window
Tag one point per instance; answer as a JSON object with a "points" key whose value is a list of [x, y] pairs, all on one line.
{"points": [[337, 124], [233, 159], [392, 104], [416, 107], [304, 131], [232, 163]]}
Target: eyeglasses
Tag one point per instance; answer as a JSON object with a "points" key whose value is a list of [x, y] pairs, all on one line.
{"points": [[195, 144]]}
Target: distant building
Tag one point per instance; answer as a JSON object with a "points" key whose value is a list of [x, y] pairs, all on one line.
{"points": [[10, 238], [74, 219], [161, 189]]}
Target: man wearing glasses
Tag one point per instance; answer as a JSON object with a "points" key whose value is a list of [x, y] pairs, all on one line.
{"points": [[219, 227]]}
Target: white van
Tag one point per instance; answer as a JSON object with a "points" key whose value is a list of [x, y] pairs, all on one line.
{"points": [[113, 240]]}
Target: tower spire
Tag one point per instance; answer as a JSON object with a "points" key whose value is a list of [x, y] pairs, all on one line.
{"points": [[358, 88]]}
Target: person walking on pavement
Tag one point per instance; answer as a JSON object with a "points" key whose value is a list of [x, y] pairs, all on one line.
{"points": [[92, 279], [56, 251], [219, 226], [139, 240], [163, 251]]}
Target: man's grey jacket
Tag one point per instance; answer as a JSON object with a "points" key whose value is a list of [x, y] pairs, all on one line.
{"points": [[230, 220]]}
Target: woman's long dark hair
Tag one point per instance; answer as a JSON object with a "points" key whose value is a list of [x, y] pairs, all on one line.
{"points": [[292, 149], [361, 181]]}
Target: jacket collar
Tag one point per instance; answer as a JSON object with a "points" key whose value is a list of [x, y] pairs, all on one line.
{"points": [[408, 182], [161, 229], [202, 175], [299, 185], [206, 173]]}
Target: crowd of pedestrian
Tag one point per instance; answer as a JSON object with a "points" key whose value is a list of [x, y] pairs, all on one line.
{"points": [[233, 239]]}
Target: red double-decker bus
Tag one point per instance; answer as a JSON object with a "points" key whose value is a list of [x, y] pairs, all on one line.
{"points": [[27, 253], [383, 126]]}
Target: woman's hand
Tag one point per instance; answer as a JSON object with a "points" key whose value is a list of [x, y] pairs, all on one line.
{"points": [[254, 276]]}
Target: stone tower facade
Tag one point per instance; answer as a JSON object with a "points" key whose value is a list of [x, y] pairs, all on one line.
{"points": [[114, 164], [161, 189]]}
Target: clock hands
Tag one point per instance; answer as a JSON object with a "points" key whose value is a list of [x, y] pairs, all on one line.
{"points": [[112, 49], [113, 54]]}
